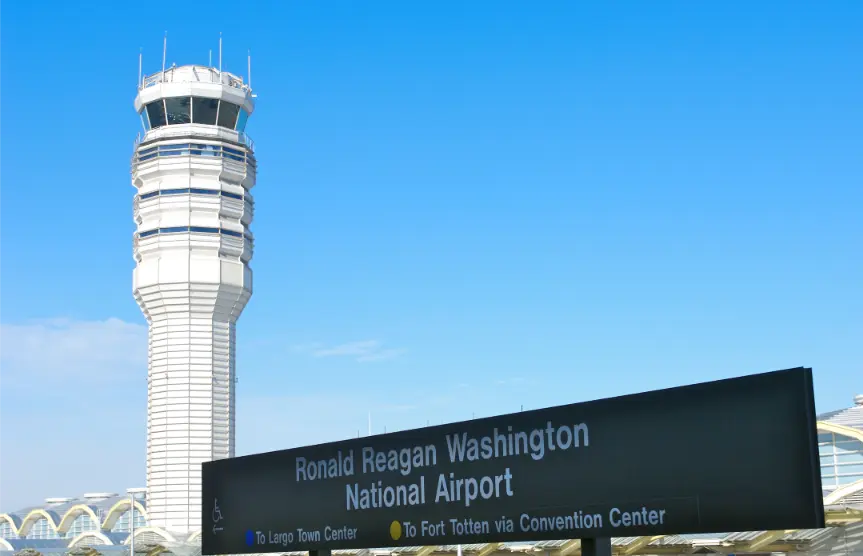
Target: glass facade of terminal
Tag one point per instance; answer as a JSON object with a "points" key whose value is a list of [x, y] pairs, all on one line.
{"points": [[42, 530], [6, 531], [81, 524], [122, 525], [841, 460]]}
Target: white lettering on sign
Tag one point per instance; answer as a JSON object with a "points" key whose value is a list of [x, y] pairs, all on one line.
{"points": [[501, 445], [403, 461], [568, 522], [636, 518], [339, 466], [379, 496], [468, 489], [341, 534], [450, 487]]}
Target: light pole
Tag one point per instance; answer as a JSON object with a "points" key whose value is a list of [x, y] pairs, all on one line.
{"points": [[132, 492], [131, 524]]}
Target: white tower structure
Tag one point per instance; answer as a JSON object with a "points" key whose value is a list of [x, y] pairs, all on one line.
{"points": [[193, 171]]}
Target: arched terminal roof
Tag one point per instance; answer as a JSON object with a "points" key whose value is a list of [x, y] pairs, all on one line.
{"points": [[97, 538], [104, 510]]}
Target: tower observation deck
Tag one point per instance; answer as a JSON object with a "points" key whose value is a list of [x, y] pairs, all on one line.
{"points": [[193, 171]]}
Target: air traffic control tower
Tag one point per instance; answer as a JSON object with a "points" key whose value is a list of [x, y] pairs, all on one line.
{"points": [[193, 171]]}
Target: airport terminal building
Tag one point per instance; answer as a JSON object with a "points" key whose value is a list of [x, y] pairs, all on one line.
{"points": [[99, 523]]}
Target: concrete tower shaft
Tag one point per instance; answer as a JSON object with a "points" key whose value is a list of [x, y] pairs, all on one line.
{"points": [[193, 171]]}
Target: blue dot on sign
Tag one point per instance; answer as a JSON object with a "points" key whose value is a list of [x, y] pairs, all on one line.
{"points": [[250, 538]]}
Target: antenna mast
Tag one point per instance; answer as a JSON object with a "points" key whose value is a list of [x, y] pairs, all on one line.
{"points": [[250, 69], [220, 55], [140, 67], [164, 52]]}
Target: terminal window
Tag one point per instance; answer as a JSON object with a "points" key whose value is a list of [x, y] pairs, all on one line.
{"points": [[42, 530], [841, 460], [6, 531], [82, 524]]}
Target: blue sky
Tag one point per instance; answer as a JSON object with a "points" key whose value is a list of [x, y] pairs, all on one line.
{"points": [[462, 208]]}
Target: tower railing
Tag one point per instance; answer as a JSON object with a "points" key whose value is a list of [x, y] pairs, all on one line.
{"points": [[167, 133], [193, 149], [202, 75]]}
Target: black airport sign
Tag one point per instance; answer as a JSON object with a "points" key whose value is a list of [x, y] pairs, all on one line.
{"points": [[731, 455]]}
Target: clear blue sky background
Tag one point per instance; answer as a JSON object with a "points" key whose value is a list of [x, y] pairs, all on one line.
{"points": [[462, 208]]}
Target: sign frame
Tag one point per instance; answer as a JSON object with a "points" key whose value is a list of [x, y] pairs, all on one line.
{"points": [[281, 497]]}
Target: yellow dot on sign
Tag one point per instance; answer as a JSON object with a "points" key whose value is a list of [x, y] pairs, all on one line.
{"points": [[396, 530]]}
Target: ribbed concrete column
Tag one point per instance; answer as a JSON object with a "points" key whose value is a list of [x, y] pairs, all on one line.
{"points": [[191, 412]]}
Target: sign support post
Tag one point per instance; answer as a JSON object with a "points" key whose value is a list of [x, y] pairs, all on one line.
{"points": [[596, 546]]}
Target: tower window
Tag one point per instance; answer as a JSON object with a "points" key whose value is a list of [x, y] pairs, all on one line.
{"points": [[145, 121], [186, 110], [228, 115], [204, 110], [242, 120], [195, 191], [194, 229], [156, 113], [178, 110]]}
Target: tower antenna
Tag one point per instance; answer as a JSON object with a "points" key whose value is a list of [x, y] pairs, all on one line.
{"points": [[164, 52], [210, 63], [220, 55], [140, 67], [250, 68]]}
